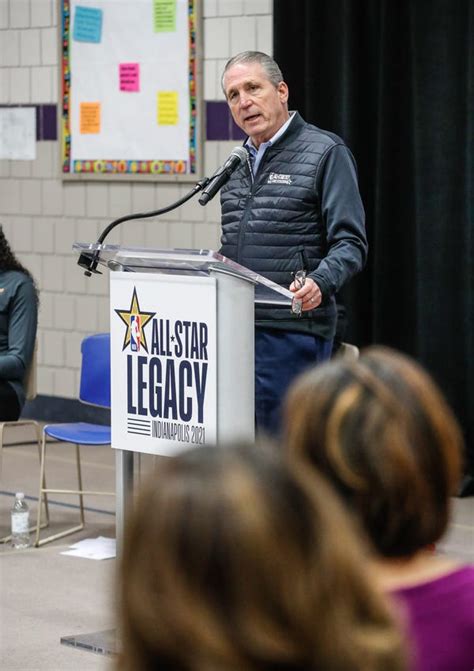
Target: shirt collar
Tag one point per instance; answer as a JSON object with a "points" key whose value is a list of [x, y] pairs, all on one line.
{"points": [[251, 147]]}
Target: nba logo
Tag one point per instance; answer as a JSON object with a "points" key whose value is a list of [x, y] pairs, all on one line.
{"points": [[135, 333]]}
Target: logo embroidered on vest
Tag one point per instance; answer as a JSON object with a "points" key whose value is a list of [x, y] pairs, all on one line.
{"points": [[278, 178]]}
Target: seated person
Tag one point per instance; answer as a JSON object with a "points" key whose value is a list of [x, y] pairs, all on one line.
{"points": [[233, 562], [380, 430], [18, 323]]}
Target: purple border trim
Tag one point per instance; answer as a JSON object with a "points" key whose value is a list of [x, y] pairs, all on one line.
{"points": [[46, 121], [219, 122]]}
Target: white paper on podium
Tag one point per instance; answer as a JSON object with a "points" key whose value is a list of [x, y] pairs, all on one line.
{"points": [[93, 548]]}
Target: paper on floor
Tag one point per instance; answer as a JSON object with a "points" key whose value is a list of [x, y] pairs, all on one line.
{"points": [[93, 548]]}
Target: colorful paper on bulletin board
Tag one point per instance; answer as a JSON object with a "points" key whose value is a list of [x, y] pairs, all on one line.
{"points": [[87, 24], [167, 108], [90, 118], [129, 74], [164, 14]]}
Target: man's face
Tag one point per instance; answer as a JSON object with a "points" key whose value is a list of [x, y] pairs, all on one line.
{"points": [[258, 107]]}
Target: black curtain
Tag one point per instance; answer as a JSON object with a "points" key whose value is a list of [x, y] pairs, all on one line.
{"points": [[396, 81]]}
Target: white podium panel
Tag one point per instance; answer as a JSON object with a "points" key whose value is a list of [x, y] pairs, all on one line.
{"points": [[164, 362]]}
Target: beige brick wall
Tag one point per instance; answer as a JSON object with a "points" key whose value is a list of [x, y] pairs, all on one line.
{"points": [[43, 216]]}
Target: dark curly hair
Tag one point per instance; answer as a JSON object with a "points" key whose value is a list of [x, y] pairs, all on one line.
{"points": [[8, 260]]}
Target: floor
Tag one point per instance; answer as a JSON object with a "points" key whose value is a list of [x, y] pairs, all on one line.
{"points": [[46, 595]]}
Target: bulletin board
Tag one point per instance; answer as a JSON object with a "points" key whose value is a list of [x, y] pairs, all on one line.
{"points": [[130, 89]]}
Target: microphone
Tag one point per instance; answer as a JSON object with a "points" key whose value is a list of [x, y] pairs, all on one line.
{"points": [[237, 156]]}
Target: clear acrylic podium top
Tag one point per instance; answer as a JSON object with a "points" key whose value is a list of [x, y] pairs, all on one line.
{"points": [[183, 262]]}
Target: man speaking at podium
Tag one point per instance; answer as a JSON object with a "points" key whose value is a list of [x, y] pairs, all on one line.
{"points": [[292, 213]]}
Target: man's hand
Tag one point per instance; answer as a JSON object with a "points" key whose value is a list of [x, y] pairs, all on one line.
{"points": [[309, 294]]}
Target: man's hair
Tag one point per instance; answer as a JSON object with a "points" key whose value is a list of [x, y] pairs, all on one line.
{"points": [[381, 431], [271, 67], [234, 560]]}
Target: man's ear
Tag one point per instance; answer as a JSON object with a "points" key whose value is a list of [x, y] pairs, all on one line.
{"points": [[283, 92]]}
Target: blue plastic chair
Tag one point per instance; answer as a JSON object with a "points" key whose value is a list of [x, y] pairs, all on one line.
{"points": [[94, 390]]}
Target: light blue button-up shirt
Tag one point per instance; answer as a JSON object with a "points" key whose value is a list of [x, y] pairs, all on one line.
{"points": [[256, 155]]}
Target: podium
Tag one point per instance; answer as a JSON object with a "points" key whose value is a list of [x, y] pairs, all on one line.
{"points": [[182, 349]]}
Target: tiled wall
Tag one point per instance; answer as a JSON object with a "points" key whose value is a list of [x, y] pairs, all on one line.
{"points": [[42, 216]]}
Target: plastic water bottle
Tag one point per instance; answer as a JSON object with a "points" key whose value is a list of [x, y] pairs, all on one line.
{"points": [[20, 515]]}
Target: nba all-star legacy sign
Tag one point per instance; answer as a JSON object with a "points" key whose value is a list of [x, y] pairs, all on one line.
{"points": [[163, 349]]}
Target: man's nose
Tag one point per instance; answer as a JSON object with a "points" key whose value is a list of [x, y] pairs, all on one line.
{"points": [[245, 100]]}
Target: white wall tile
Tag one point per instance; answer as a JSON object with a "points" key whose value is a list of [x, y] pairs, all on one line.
{"points": [[216, 38], [43, 165], [265, 34], [46, 380], [207, 236], [46, 309], [167, 194], [19, 13], [64, 312], [4, 85], [73, 350], [53, 348], [20, 85], [41, 85], [210, 79], [55, 12], [53, 272], [20, 168], [30, 47], [209, 8], [49, 46], [132, 233], [143, 197], [220, 65], [98, 284], [74, 198], [120, 200], [75, 281], [230, 7], [86, 314], [103, 319], [258, 7], [55, 87], [10, 196], [87, 230], [181, 235], [243, 34], [157, 236], [4, 14], [30, 194], [63, 236], [53, 194], [43, 235], [4, 169], [22, 234], [10, 48], [65, 383], [97, 200], [41, 13]]}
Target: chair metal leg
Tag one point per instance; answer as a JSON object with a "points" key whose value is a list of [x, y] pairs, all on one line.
{"points": [[36, 428], [41, 487], [79, 483]]}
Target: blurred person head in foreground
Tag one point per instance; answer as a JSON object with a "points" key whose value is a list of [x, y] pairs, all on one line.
{"points": [[234, 561], [382, 433]]}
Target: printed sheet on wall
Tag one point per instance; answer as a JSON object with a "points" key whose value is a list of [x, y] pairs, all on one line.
{"points": [[129, 91]]}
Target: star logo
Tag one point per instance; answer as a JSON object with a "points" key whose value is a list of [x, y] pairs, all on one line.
{"points": [[135, 316]]}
